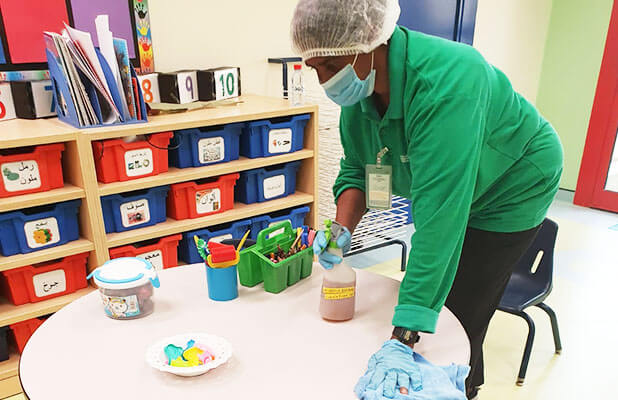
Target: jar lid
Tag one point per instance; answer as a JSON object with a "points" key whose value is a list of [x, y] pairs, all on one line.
{"points": [[125, 273]]}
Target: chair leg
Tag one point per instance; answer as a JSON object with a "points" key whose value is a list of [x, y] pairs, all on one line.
{"points": [[554, 326], [528, 350]]}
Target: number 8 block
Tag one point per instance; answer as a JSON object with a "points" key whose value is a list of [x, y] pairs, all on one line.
{"points": [[150, 87]]}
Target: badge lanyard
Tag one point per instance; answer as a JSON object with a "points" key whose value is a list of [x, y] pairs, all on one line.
{"points": [[379, 183]]}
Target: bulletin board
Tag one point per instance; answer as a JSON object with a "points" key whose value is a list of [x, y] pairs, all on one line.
{"points": [[22, 23]]}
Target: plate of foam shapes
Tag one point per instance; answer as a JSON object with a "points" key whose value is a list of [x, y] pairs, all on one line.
{"points": [[189, 354]]}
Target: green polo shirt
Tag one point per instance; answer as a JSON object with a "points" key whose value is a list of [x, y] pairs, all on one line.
{"points": [[465, 148]]}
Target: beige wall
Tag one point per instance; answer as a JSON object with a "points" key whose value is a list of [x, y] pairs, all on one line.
{"points": [[199, 34], [207, 33], [511, 34]]}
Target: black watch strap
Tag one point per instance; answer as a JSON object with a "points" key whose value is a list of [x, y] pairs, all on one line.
{"points": [[405, 335]]}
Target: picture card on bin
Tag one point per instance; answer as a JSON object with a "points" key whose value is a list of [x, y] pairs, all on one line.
{"points": [[219, 83], [178, 87]]}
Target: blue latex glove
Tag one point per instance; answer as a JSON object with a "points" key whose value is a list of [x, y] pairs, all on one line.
{"points": [[320, 245], [391, 368]]}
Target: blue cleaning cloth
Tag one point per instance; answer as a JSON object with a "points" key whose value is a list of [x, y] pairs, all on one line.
{"points": [[433, 382]]}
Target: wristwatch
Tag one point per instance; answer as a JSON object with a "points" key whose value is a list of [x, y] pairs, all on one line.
{"points": [[406, 336]]}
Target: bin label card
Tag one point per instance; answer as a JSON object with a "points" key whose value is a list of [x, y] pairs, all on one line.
{"points": [[211, 149], [221, 238], [154, 257], [21, 175], [274, 186], [207, 201], [138, 162], [280, 140], [49, 283], [135, 213], [226, 83], [120, 307], [42, 232]]}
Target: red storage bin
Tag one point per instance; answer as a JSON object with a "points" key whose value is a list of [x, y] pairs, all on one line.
{"points": [[162, 254], [204, 197], [117, 160], [44, 281], [31, 170], [22, 331]]}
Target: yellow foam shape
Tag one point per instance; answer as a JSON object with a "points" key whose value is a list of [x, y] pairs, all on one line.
{"points": [[179, 362]]}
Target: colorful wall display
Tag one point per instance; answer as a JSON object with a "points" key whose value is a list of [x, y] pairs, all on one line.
{"points": [[23, 22]]}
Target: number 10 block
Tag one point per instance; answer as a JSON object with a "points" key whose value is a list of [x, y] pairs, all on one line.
{"points": [[218, 83]]}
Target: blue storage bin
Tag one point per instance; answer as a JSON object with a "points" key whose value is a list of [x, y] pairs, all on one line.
{"points": [[295, 215], [268, 183], [126, 211], [38, 228], [275, 136], [208, 145], [235, 230]]}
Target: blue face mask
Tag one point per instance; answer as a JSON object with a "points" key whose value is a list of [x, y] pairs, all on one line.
{"points": [[346, 88]]}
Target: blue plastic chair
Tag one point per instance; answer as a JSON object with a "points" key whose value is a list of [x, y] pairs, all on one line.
{"points": [[530, 287]]}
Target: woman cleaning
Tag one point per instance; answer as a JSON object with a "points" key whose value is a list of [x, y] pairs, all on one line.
{"points": [[430, 120]]}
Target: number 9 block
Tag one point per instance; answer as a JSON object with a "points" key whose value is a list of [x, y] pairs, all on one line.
{"points": [[218, 83], [178, 87]]}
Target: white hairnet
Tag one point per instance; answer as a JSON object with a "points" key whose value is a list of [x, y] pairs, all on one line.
{"points": [[342, 27]]}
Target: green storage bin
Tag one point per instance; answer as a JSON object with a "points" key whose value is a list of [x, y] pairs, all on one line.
{"points": [[255, 265]]}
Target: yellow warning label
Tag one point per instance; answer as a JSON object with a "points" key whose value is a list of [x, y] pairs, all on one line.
{"points": [[338, 293]]}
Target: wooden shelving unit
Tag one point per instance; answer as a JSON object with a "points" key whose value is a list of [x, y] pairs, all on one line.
{"points": [[10, 314], [81, 183], [68, 192], [19, 260], [175, 175], [240, 211]]}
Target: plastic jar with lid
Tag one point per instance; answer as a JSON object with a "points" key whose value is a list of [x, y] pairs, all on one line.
{"points": [[126, 286]]}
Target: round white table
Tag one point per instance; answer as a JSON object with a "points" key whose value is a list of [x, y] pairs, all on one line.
{"points": [[282, 348]]}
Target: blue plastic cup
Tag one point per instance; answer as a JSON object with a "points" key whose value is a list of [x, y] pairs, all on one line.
{"points": [[222, 283]]}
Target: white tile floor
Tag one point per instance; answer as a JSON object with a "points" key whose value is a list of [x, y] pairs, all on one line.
{"points": [[585, 298]]}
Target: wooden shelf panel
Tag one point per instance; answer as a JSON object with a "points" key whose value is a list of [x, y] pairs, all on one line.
{"points": [[68, 192], [252, 108], [10, 314], [9, 367], [175, 175], [19, 260], [28, 132], [240, 211]]}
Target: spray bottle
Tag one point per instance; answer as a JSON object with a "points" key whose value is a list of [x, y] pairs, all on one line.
{"points": [[338, 296]]}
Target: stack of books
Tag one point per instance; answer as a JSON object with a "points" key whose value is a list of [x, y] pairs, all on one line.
{"points": [[93, 86]]}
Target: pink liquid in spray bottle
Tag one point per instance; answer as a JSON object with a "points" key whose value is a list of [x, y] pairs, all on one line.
{"points": [[338, 294]]}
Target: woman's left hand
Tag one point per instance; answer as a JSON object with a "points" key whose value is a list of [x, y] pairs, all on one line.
{"points": [[391, 369]]}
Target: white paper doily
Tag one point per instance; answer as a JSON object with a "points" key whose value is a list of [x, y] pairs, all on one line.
{"points": [[155, 356]]}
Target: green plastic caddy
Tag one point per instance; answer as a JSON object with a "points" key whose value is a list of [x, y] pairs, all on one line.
{"points": [[255, 265]]}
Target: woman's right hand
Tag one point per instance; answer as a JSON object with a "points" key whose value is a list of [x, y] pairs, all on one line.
{"points": [[320, 245]]}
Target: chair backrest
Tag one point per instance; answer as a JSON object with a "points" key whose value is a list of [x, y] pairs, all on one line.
{"points": [[542, 246]]}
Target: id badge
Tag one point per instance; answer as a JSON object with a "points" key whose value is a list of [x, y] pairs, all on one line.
{"points": [[379, 186]]}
